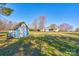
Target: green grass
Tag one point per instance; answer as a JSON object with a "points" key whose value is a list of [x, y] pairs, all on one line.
{"points": [[44, 44]]}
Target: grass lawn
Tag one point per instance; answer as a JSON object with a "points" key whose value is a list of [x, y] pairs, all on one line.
{"points": [[43, 44]]}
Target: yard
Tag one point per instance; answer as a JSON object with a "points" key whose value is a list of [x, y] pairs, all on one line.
{"points": [[42, 44]]}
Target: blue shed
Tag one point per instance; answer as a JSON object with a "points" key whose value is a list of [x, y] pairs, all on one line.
{"points": [[20, 30]]}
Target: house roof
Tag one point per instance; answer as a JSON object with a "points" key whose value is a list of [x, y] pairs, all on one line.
{"points": [[17, 25]]}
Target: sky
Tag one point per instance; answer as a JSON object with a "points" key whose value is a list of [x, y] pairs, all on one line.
{"points": [[55, 13]]}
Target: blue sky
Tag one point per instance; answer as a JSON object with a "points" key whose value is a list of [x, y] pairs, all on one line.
{"points": [[54, 13]]}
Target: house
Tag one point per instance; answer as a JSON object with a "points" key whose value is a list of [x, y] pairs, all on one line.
{"points": [[48, 29], [19, 30]]}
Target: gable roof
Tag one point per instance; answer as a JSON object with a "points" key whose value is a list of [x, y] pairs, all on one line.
{"points": [[18, 25]]}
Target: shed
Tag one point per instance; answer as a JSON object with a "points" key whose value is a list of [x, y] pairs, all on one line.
{"points": [[19, 30]]}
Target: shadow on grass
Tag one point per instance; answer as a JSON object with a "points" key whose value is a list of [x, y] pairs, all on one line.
{"points": [[66, 45], [28, 51], [10, 50], [13, 49]]}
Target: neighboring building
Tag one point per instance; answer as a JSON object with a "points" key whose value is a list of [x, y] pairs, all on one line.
{"points": [[48, 29], [18, 31], [42, 30]]}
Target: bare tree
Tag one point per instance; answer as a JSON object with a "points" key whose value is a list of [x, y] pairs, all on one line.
{"points": [[65, 27], [41, 23], [77, 30], [3, 25], [53, 26]]}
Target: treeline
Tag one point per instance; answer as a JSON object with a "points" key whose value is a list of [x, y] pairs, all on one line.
{"points": [[5, 11], [6, 25], [64, 27]]}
